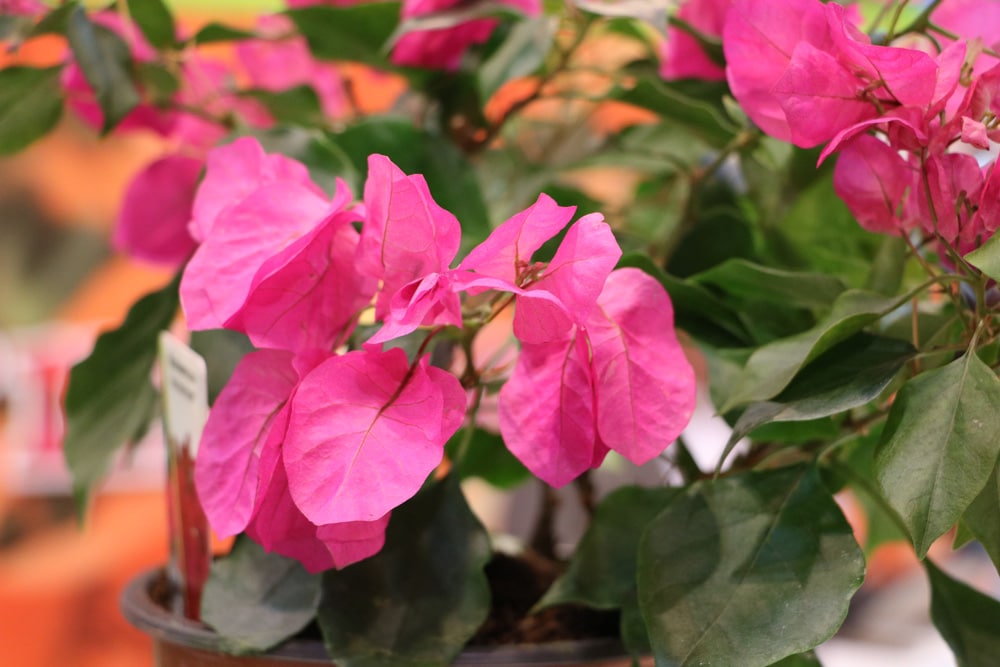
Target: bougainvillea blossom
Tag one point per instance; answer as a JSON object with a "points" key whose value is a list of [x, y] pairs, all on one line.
{"points": [[152, 224], [683, 55], [406, 235], [366, 429], [245, 428], [234, 171], [569, 402], [307, 295], [443, 48], [219, 277]]}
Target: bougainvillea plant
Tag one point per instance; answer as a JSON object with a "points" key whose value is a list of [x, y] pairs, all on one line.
{"points": [[429, 241]]}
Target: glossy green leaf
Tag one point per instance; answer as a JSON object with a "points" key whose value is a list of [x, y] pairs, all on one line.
{"points": [[358, 33], [747, 570], [417, 601], [807, 659], [219, 32], [602, 570], [940, 446], [450, 176], [847, 376], [30, 105], [110, 397], [298, 105], [255, 600], [742, 278], [967, 619], [487, 458], [106, 63], [986, 257], [521, 54], [154, 20], [982, 518], [772, 367], [55, 22]]}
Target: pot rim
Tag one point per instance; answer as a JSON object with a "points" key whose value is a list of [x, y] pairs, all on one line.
{"points": [[139, 609]]}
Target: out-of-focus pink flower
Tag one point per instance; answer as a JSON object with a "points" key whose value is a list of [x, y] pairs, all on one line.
{"points": [[152, 225], [443, 48], [279, 64], [683, 56], [22, 7]]}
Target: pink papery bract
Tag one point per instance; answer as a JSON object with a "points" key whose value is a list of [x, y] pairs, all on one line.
{"points": [[683, 56], [233, 172], [875, 182], [443, 48], [153, 222], [948, 195], [218, 279], [819, 96], [622, 382], [281, 527], [507, 251], [575, 277], [758, 39], [308, 295], [365, 432], [241, 440], [430, 301], [546, 410], [645, 385], [406, 235]]}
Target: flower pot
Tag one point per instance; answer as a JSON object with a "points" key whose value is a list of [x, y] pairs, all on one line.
{"points": [[180, 642]]}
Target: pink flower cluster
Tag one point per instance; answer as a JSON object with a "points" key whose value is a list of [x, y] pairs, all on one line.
{"points": [[904, 121], [311, 446]]}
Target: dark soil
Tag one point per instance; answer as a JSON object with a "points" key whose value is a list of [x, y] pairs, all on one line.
{"points": [[517, 583]]}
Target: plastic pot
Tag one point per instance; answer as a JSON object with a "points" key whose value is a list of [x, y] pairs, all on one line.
{"points": [[180, 642]]}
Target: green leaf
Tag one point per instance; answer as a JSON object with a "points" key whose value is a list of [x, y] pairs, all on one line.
{"points": [[421, 598], [753, 281], [747, 570], [772, 367], [154, 20], [110, 398], [299, 105], [106, 64], [981, 518], [256, 600], [967, 619], [986, 257], [30, 105], [602, 571], [694, 104], [847, 376], [521, 54], [450, 176], [940, 446], [55, 22], [487, 458], [807, 659], [358, 33], [218, 32]]}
